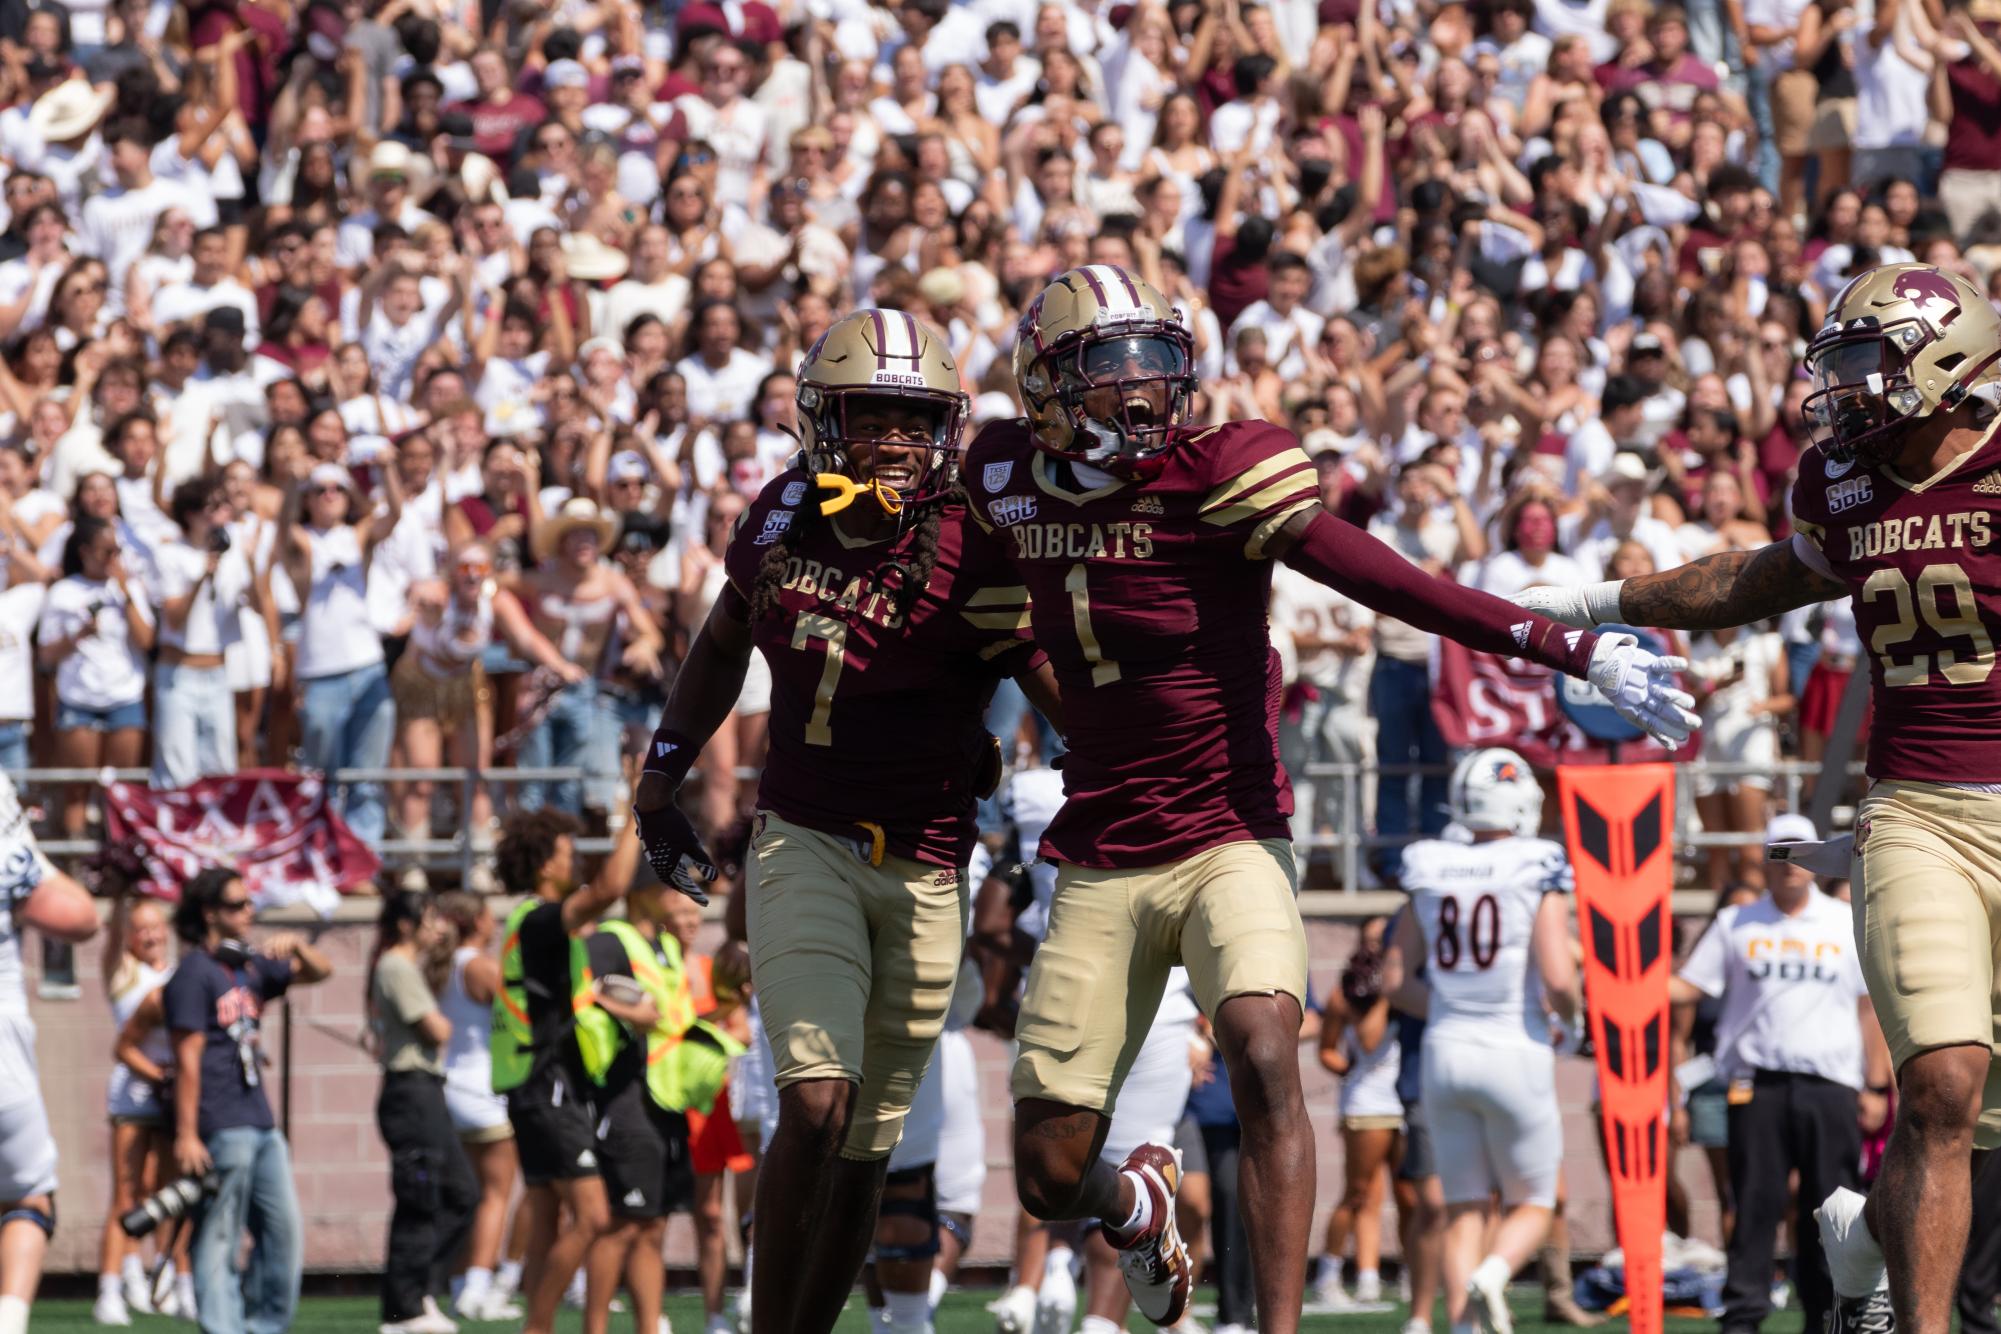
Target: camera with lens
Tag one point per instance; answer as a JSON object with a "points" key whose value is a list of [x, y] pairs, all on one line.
{"points": [[218, 541], [167, 1204]]}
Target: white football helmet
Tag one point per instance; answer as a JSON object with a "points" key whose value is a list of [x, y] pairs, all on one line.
{"points": [[1495, 789]]}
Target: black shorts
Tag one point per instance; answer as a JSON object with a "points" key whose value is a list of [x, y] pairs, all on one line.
{"points": [[552, 1131], [643, 1155], [1418, 1161]]}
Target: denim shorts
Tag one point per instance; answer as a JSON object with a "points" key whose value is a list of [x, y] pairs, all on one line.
{"points": [[73, 718]]}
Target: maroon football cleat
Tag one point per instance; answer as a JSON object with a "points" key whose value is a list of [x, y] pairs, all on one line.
{"points": [[1155, 1262]]}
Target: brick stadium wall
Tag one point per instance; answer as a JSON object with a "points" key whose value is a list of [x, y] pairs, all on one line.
{"points": [[343, 1175]]}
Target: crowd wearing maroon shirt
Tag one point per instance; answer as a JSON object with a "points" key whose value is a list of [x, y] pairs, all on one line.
{"points": [[1494, 262]]}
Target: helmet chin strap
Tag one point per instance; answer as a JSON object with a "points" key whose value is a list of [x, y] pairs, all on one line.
{"points": [[847, 490]]}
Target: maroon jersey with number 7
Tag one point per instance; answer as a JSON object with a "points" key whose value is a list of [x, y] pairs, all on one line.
{"points": [[876, 719]]}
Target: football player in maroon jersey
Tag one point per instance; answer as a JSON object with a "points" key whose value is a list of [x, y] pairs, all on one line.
{"points": [[1145, 544], [1894, 506], [887, 619]]}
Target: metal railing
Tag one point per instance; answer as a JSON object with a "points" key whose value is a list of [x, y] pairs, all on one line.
{"points": [[1349, 845]]}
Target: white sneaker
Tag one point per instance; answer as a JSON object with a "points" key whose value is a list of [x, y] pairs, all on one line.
{"points": [[1416, 1325], [1369, 1288], [1490, 1305], [719, 1324], [1056, 1302], [1014, 1313], [110, 1309], [184, 1299], [139, 1295], [426, 1322], [664, 1327], [1330, 1298]]}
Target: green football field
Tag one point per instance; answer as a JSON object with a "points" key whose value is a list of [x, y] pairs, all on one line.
{"points": [[961, 1313]]}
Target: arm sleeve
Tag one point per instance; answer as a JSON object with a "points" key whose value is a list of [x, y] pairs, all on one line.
{"points": [[186, 1000], [1348, 560], [1703, 969], [404, 993]]}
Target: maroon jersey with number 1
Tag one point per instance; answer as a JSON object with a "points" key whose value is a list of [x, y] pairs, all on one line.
{"points": [[1149, 599], [1921, 565], [876, 719]]}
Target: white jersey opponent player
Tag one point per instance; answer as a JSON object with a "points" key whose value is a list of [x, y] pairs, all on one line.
{"points": [[32, 894], [1897, 506], [1491, 921]]}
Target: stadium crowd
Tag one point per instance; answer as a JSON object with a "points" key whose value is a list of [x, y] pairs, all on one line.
{"points": [[393, 374], [382, 382]]}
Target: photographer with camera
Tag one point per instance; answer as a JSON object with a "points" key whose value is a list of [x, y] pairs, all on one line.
{"points": [[223, 1127], [32, 894], [204, 584]]}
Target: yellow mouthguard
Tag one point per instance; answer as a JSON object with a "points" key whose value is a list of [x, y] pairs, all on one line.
{"points": [[846, 491]]}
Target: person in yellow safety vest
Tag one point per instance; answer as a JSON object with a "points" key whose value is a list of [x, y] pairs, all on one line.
{"points": [[546, 984], [646, 1079]]}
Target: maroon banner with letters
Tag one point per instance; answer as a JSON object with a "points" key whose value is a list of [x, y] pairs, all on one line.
{"points": [[275, 828], [1481, 699]]}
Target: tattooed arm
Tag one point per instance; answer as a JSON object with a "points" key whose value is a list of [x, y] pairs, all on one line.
{"points": [[1726, 589]]}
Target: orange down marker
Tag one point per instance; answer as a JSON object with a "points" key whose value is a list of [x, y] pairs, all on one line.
{"points": [[1617, 825]]}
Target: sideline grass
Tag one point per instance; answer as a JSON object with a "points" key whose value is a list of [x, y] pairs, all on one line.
{"points": [[963, 1312]]}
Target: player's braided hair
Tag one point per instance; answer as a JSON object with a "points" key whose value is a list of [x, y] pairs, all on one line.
{"points": [[771, 570]]}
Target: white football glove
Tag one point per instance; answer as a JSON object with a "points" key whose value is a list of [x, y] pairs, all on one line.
{"points": [[1640, 685], [1592, 604]]}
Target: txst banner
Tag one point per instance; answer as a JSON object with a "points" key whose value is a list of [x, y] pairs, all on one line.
{"points": [[1481, 699], [274, 827]]}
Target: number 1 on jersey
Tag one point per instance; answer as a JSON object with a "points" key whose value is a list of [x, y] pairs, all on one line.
{"points": [[1103, 673], [835, 635]]}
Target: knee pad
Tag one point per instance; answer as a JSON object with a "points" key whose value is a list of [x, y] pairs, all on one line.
{"points": [[915, 1196], [43, 1219]]}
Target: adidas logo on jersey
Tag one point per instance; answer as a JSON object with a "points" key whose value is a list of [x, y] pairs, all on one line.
{"points": [[1520, 630], [1149, 505], [662, 749], [587, 1159], [1990, 485], [635, 1198]]}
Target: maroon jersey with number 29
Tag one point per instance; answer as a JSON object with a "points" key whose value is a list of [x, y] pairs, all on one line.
{"points": [[877, 720], [1920, 561], [1150, 601]]}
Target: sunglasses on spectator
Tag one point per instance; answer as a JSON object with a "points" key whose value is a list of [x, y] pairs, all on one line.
{"points": [[331, 489], [231, 905], [699, 158], [722, 67], [553, 141], [477, 568], [684, 194]]}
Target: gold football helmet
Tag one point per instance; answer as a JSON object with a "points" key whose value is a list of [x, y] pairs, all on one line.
{"points": [[1900, 342], [1106, 369], [871, 364]]}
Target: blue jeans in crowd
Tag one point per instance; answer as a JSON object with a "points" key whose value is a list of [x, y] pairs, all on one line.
{"points": [[14, 746], [194, 724], [349, 721], [254, 1192], [1400, 697], [1758, 92], [580, 731]]}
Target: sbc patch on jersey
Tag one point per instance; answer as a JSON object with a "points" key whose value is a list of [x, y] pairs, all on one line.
{"points": [[1011, 509], [775, 524], [995, 475], [1847, 495], [794, 493]]}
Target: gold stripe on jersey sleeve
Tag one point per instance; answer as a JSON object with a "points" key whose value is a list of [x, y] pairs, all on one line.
{"points": [[1255, 548], [1252, 479], [1000, 646], [1006, 595], [1002, 607], [1295, 482], [1812, 532]]}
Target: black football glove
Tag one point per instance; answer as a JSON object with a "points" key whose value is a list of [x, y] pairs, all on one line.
{"points": [[673, 848], [675, 851]]}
